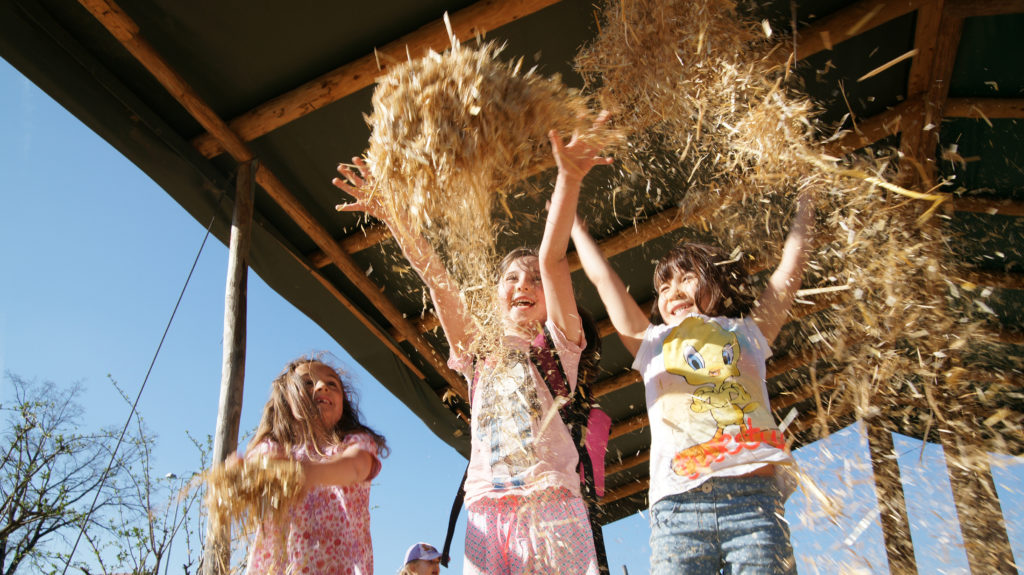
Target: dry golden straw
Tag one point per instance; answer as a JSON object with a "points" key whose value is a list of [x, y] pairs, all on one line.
{"points": [[247, 493], [703, 92], [452, 135]]}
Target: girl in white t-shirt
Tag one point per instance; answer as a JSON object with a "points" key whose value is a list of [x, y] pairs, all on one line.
{"points": [[525, 511], [716, 494]]}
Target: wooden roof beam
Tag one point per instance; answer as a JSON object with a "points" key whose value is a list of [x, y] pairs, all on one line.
{"points": [[471, 21], [937, 38], [985, 108], [629, 425], [973, 8], [624, 491], [890, 122], [628, 463], [126, 31], [850, 21]]}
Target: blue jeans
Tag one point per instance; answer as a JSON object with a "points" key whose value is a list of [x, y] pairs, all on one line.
{"points": [[730, 525]]}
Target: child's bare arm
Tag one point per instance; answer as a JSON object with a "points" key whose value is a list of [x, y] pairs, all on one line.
{"points": [[773, 305], [347, 468], [448, 305], [574, 160], [627, 317]]}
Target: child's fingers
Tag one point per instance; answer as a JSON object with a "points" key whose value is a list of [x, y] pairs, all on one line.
{"points": [[349, 207], [556, 140], [351, 176], [361, 166], [345, 187]]}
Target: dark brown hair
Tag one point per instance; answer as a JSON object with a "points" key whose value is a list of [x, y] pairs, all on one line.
{"points": [[722, 288], [290, 396]]}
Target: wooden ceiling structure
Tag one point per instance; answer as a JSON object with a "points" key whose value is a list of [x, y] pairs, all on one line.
{"points": [[194, 94]]}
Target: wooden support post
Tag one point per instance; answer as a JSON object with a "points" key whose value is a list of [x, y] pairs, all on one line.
{"points": [[217, 553], [977, 506], [892, 507]]}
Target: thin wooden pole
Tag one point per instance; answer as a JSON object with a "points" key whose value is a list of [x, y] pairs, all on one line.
{"points": [[892, 507], [217, 554], [977, 506]]}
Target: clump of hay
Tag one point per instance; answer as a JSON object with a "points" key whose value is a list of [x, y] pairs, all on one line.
{"points": [[887, 310], [706, 85], [249, 492], [452, 135], [713, 88]]}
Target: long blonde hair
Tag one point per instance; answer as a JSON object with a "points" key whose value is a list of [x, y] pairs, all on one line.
{"points": [[291, 419]]}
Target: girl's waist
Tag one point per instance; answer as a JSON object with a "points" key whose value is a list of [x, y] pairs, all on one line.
{"points": [[539, 485]]}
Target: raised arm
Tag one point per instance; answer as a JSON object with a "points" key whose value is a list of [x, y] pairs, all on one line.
{"points": [[774, 303], [448, 306], [346, 468], [629, 320], [574, 160]]}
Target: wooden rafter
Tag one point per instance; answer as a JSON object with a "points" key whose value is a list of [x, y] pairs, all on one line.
{"points": [[869, 13], [628, 463], [625, 491], [926, 41], [848, 22], [974, 8], [630, 425], [938, 37], [985, 108], [477, 19], [124, 29]]}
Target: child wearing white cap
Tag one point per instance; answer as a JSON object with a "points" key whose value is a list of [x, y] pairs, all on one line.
{"points": [[421, 559]]}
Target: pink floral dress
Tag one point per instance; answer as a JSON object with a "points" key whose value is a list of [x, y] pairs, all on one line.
{"points": [[329, 532]]}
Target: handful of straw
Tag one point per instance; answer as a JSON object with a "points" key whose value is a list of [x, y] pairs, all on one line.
{"points": [[248, 492], [453, 134], [458, 130]]}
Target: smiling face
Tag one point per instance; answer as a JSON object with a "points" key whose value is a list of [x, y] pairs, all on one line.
{"points": [[325, 388], [520, 293], [677, 297]]}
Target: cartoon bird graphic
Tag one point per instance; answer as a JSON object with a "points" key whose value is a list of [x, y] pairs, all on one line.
{"points": [[707, 356]]}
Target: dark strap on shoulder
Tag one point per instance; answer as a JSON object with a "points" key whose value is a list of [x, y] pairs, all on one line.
{"points": [[545, 358], [453, 518]]}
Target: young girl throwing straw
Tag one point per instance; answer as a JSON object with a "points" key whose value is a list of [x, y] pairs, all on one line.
{"points": [[716, 487], [525, 512], [311, 418]]}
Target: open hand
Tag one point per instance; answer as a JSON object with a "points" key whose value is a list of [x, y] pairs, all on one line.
{"points": [[359, 184], [577, 157]]}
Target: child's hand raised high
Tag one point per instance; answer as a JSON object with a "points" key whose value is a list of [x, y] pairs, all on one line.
{"points": [[360, 187], [577, 157]]}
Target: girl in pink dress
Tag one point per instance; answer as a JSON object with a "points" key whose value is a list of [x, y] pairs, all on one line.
{"points": [[311, 418], [525, 511]]}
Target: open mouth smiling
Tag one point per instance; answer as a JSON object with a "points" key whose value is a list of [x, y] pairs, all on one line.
{"points": [[522, 302]]}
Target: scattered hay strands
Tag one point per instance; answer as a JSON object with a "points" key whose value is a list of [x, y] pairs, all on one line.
{"points": [[249, 492], [692, 76], [703, 92]]}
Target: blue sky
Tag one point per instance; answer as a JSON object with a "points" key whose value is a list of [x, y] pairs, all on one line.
{"points": [[94, 255]]}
